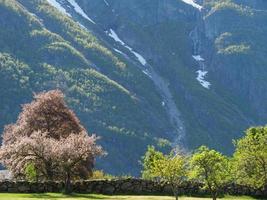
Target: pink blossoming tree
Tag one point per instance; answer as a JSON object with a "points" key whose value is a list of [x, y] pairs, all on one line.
{"points": [[50, 136]]}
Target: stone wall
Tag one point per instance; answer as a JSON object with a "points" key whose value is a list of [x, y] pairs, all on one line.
{"points": [[123, 186]]}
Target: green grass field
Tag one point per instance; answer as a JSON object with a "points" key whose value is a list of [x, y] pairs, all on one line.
{"points": [[54, 196]]}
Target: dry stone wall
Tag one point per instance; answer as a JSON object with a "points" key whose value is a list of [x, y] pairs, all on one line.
{"points": [[121, 186]]}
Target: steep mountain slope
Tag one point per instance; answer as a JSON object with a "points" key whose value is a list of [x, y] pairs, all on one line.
{"points": [[240, 48], [162, 33], [140, 72], [42, 49]]}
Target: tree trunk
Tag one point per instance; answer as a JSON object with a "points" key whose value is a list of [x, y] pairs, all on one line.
{"points": [[265, 189], [49, 171], [67, 184], [214, 195], [50, 175], [175, 192]]}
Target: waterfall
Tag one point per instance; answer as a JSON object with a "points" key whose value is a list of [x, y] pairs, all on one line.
{"points": [[197, 54]]}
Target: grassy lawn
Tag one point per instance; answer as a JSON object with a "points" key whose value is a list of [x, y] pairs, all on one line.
{"points": [[53, 196]]}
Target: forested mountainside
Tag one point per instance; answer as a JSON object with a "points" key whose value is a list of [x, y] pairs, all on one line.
{"points": [[140, 72]]}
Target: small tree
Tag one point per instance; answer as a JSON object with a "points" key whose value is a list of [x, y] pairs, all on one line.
{"points": [[174, 172], [250, 158], [167, 168], [211, 168], [31, 172]]}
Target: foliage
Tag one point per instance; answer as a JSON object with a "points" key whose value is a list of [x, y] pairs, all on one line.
{"points": [[211, 168], [31, 172], [13, 71], [167, 168], [235, 49], [225, 45], [82, 38], [173, 171], [47, 113], [75, 156], [250, 158], [50, 136], [100, 174], [228, 5], [150, 163]]}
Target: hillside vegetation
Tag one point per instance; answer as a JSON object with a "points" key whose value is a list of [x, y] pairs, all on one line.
{"points": [[48, 50]]}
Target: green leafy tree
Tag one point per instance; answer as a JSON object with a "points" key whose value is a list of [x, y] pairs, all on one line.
{"points": [[166, 168], [211, 168], [173, 171], [250, 158]]}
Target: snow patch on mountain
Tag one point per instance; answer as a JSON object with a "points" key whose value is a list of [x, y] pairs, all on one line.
{"points": [[146, 72], [201, 79], [57, 5], [140, 58], [80, 11], [118, 51], [193, 3], [111, 33], [106, 2], [114, 35], [198, 58]]}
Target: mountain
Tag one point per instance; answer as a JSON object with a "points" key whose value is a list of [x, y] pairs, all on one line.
{"points": [[140, 72]]}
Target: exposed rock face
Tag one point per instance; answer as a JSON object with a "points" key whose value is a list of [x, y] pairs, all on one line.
{"points": [[178, 65], [222, 36], [237, 55]]}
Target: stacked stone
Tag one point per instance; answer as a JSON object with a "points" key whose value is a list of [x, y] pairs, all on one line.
{"points": [[129, 186]]}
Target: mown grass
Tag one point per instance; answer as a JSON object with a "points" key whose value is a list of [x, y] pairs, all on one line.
{"points": [[53, 196]]}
